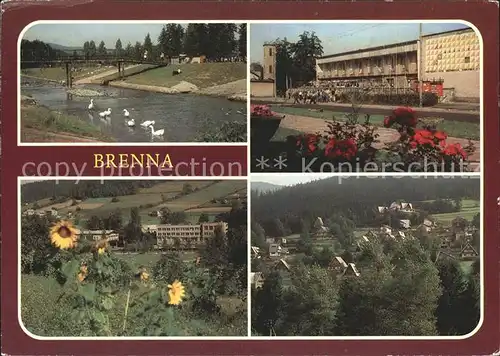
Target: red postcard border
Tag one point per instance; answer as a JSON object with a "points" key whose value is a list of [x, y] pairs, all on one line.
{"points": [[482, 14]]}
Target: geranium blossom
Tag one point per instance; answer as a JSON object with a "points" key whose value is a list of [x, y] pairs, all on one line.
{"points": [[262, 110]]}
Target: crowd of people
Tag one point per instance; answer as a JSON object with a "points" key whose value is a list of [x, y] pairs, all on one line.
{"points": [[331, 91]]}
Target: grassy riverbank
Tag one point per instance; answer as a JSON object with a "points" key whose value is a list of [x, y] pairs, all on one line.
{"points": [[202, 75], [40, 124]]}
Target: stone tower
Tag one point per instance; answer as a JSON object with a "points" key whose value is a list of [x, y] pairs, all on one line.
{"points": [[269, 70]]}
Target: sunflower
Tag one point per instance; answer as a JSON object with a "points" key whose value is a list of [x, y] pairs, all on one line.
{"points": [[144, 276], [63, 235], [176, 293], [83, 273], [101, 246]]}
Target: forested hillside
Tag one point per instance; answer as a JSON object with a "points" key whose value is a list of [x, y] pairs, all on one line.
{"points": [[355, 198]]}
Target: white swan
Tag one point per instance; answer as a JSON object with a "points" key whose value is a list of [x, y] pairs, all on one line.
{"points": [[105, 113], [91, 105], [131, 123], [156, 133], [147, 123], [126, 113]]}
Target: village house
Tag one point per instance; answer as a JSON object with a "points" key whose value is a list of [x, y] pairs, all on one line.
{"points": [[50, 212], [405, 224], [29, 212], [95, 235], [468, 252], [386, 229], [382, 209], [282, 266], [351, 270], [401, 235], [338, 265], [403, 207], [319, 227], [270, 240], [442, 254], [255, 252], [274, 250], [256, 280], [445, 244]]}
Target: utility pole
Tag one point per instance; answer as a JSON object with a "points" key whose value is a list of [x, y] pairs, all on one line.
{"points": [[419, 55]]}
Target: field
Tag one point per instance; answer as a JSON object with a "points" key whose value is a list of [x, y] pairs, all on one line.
{"points": [[469, 209], [458, 129], [203, 196], [202, 75], [151, 199]]}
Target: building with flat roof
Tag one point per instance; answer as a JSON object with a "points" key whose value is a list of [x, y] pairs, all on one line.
{"points": [[186, 235], [449, 59]]}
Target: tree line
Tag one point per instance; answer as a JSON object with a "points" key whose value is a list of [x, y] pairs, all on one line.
{"points": [[295, 61], [400, 292], [355, 198], [64, 190], [217, 42]]}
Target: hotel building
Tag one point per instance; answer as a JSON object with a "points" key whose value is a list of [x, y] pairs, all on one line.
{"points": [[187, 235], [449, 64]]}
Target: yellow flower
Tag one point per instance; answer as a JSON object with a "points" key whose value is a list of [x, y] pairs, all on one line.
{"points": [[83, 273], [101, 246], [144, 276], [176, 293], [63, 235]]}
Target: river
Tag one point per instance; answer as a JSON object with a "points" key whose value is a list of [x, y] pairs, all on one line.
{"points": [[182, 116]]}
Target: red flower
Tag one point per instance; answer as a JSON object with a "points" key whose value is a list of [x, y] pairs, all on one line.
{"points": [[329, 147], [261, 110], [312, 141], [346, 149], [455, 149], [413, 144], [405, 116], [440, 135], [388, 121], [423, 137]]}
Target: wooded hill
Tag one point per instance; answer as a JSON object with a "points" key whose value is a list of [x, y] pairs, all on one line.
{"points": [[355, 198]]}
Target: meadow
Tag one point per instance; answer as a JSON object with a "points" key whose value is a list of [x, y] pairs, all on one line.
{"points": [[469, 209], [199, 201], [203, 75]]}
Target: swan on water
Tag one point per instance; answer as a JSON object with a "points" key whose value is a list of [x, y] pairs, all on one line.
{"points": [[126, 113], [105, 113], [91, 105], [131, 123], [147, 123], [156, 133]]}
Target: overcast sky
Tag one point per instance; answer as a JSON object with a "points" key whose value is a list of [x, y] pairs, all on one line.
{"points": [[72, 35], [343, 37]]}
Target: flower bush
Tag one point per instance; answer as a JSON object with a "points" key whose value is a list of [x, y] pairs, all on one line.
{"points": [[425, 148], [341, 143], [349, 146], [262, 111]]}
